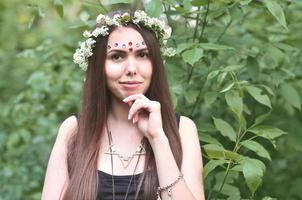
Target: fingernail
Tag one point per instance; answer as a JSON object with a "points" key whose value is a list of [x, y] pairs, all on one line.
{"points": [[129, 117]]}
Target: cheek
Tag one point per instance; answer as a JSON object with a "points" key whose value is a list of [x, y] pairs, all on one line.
{"points": [[147, 70], [113, 71]]}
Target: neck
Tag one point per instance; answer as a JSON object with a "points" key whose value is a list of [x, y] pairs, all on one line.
{"points": [[118, 117], [119, 111]]}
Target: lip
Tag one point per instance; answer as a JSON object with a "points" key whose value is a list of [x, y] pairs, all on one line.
{"points": [[131, 84]]}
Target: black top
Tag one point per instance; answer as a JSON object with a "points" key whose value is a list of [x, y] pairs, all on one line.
{"points": [[121, 183]]}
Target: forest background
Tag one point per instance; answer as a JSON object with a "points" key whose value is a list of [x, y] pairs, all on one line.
{"points": [[237, 73]]}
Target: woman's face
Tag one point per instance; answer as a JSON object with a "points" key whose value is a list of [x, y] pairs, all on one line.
{"points": [[128, 67]]}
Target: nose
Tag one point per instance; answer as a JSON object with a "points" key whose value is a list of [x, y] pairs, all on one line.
{"points": [[131, 68]]}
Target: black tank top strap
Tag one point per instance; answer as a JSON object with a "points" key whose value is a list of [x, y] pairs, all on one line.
{"points": [[177, 118], [77, 115]]}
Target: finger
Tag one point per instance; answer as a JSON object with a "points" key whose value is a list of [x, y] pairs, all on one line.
{"points": [[134, 97], [136, 116], [134, 103], [141, 105]]}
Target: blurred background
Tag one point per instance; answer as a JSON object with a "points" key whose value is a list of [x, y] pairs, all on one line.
{"points": [[237, 73]]}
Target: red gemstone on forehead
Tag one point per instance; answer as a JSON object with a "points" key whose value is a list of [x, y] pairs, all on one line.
{"points": [[130, 49], [130, 43]]}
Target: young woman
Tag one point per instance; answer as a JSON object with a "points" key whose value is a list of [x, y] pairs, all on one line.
{"points": [[127, 142]]}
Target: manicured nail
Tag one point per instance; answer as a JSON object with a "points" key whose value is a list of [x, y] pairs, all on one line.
{"points": [[129, 117]]}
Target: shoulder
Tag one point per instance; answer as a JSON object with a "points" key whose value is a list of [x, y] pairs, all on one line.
{"points": [[68, 127], [188, 134], [187, 126]]}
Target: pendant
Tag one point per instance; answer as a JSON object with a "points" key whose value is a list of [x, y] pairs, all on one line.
{"points": [[169, 194], [126, 160]]}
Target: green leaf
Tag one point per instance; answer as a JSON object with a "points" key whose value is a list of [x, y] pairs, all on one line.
{"points": [[256, 94], [234, 100], [291, 95], [59, 7], [209, 98], [198, 3], [209, 139], [228, 87], [192, 56], [154, 8], [232, 68], [218, 152], [187, 5], [257, 148], [225, 129], [191, 95], [111, 2], [212, 46], [253, 174], [221, 77], [211, 165], [183, 46], [245, 2], [276, 10], [261, 118], [267, 132], [212, 74]]}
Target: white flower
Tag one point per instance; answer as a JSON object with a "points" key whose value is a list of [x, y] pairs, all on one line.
{"points": [[168, 52], [87, 34], [109, 21], [102, 30], [100, 19], [167, 34], [125, 15]]}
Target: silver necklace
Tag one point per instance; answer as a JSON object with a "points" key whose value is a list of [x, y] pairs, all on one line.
{"points": [[111, 155]]}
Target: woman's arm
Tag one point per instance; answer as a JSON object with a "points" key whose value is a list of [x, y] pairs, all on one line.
{"points": [[191, 186], [56, 177]]}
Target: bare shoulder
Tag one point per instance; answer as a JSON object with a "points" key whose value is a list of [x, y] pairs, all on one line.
{"points": [[68, 127], [187, 127]]}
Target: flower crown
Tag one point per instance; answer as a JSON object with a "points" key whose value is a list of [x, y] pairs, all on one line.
{"points": [[161, 30]]}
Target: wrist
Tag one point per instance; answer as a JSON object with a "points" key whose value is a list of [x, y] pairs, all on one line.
{"points": [[159, 140]]}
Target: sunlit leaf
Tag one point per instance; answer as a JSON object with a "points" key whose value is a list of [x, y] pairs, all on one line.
{"points": [[276, 11], [256, 94], [256, 147], [267, 132], [253, 173], [192, 56], [225, 128], [59, 7], [291, 95], [211, 165]]}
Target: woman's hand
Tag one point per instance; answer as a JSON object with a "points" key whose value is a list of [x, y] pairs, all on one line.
{"points": [[146, 114]]}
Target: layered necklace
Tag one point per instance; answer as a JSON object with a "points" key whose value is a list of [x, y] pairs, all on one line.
{"points": [[125, 160]]}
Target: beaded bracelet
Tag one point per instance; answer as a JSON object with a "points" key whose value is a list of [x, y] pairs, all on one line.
{"points": [[168, 187]]}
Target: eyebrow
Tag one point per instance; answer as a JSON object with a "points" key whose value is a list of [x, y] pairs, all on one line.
{"points": [[126, 50]]}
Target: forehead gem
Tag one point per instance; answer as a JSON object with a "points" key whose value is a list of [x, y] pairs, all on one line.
{"points": [[115, 44], [130, 43], [130, 49], [143, 42], [108, 46], [137, 45], [123, 46]]}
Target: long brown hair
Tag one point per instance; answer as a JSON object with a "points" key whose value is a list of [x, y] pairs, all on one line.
{"points": [[83, 148]]}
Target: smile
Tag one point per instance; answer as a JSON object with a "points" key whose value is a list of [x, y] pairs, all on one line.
{"points": [[131, 85]]}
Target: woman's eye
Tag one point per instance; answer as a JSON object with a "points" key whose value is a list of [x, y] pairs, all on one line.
{"points": [[143, 55], [116, 57]]}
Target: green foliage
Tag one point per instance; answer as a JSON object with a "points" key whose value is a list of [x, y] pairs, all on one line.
{"points": [[237, 73]]}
